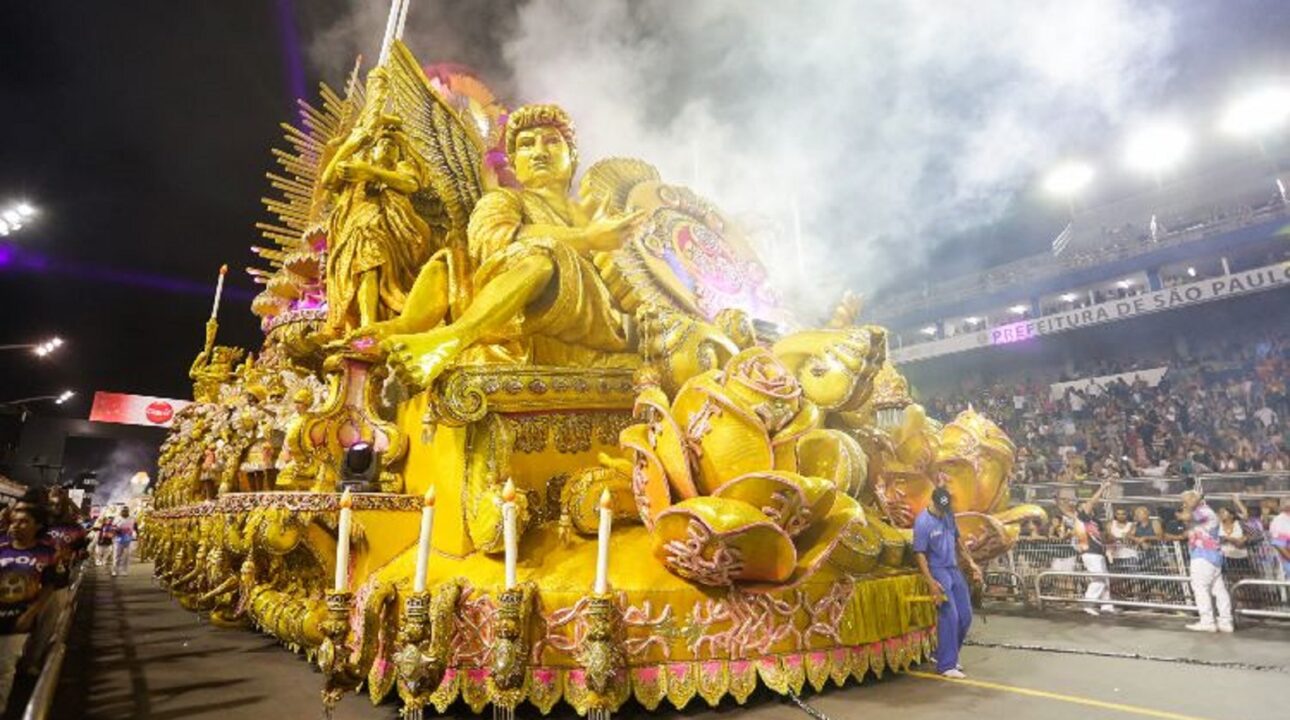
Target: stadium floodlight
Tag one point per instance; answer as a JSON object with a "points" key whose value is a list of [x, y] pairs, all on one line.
{"points": [[973, 320], [1070, 297], [1157, 148], [1124, 284], [47, 347], [1258, 113], [1068, 179], [1018, 309], [929, 330], [64, 397], [13, 217], [1191, 272]]}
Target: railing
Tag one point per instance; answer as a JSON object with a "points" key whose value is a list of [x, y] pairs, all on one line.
{"points": [[42, 696], [1111, 600], [1044, 265], [1163, 490], [1155, 577], [1282, 597]]}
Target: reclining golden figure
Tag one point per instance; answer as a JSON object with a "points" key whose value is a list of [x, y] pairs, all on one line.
{"points": [[538, 298]]}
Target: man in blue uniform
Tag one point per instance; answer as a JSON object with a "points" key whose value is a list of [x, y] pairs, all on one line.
{"points": [[938, 548]]}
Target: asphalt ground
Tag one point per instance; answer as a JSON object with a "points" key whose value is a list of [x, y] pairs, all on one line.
{"points": [[134, 653]]}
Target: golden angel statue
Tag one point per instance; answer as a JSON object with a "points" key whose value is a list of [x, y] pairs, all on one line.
{"points": [[377, 240]]}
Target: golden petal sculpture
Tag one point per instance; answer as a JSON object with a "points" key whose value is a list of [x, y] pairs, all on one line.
{"points": [[718, 542], [790, 500]]}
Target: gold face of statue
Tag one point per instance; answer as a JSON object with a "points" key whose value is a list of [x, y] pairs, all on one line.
{"points": [[385, 152], [542, 157]]}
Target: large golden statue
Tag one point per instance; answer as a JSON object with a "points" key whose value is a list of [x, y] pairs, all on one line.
{"points": [[377, 239], [645, 479], [538, 297]]}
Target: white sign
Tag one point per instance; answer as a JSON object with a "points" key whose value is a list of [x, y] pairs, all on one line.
{"points": [[1250, 281], [1095, 385]]}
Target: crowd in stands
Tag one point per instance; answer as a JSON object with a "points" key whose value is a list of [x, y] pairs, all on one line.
{"points": [[1224, 410], [43, 538]]}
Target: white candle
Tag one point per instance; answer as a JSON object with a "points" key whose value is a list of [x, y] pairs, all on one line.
{"points": [[342, 542], [602, 548], [509, 531], [219, 289], [423, 545]]}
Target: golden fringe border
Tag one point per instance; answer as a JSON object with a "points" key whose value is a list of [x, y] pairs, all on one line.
{"points": [[679, 682]]}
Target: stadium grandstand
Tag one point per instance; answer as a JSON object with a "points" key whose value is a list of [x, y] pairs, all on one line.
{"points": [[1172, 248], [1148, 352]]}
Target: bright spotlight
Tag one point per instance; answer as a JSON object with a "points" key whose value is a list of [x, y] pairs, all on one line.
{"points": [[929, 330], [1124, 284], [1258, 113], [67, 395], [1156, 148], [1018, 309], [1070, 297], [12, 217], [56, 342], [25, 209], [1069, 179], [4, 228], [1191, 272], [972, 320]]}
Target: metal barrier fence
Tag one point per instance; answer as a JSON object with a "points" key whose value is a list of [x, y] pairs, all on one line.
{"points": [[1043, 572]]}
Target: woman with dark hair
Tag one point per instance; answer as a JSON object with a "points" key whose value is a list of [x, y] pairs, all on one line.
{"points": [[28, 574], [1234, 539]]}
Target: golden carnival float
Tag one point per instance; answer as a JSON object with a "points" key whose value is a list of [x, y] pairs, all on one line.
{"points": [[512, 438]]}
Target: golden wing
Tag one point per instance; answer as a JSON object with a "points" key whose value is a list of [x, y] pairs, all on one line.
{"points": [[454, 151], [299, 206]]}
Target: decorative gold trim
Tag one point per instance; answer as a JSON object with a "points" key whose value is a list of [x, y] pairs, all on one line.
{"points": [[465, 394]]}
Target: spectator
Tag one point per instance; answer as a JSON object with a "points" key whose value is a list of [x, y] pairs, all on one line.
{"points": [[1123, 553], [122, 540], [1269, 509], [1030, 530], [1206, 566], [1174, 528], [28, 575], [1279, 536], [104, 533], [1086, 536], [1233, 541]]}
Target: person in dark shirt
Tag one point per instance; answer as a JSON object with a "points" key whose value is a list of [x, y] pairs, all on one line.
{"points": [[28, 575], [1086, 536]]}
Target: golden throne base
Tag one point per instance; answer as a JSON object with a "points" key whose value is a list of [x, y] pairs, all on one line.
{"points": [[680, 640]]}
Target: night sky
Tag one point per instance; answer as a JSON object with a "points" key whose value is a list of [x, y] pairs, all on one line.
{"points": [[142, 131]]}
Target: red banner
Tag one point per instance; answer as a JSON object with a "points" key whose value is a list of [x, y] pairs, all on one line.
{"points": [[135, 409]]}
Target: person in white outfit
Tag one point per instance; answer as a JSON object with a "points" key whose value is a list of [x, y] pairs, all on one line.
{"points": [[1206, 568], [122, 540]]}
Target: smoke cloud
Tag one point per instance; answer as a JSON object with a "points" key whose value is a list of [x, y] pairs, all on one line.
{"points": [[884, 127], [115, 473]]}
